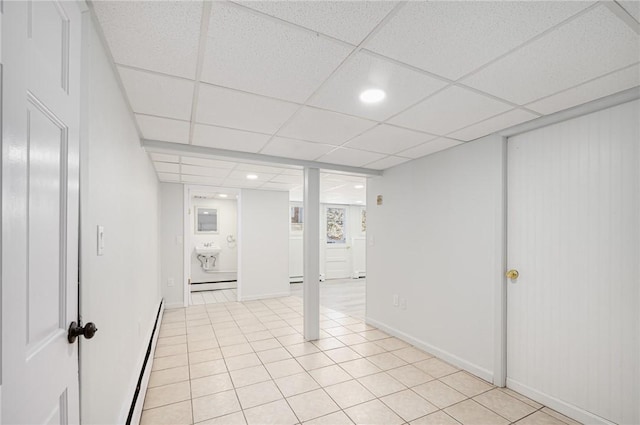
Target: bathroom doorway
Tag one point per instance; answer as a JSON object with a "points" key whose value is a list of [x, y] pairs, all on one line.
{"points": [[211, 244]]}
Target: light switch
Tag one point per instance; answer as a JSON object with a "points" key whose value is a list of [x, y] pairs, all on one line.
{"points": [[100, 240]]}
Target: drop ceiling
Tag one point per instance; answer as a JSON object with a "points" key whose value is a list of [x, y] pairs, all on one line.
{"points": [[283, 78]]}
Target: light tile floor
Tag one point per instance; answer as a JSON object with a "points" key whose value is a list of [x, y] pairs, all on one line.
{"points": [[212, 297], [247, 363]]}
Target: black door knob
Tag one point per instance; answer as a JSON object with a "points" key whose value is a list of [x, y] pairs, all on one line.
{"points": [[75, 330]]}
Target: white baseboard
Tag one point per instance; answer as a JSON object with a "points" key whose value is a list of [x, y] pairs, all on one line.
{"points": [[481, 372], [565, 408], [265, 296], [145, 370]]}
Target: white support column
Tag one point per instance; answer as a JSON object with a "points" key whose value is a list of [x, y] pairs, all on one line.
{"points": [[311, 249]]}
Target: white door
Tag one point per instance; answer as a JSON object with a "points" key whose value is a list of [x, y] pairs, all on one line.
{"points": [[337, 247], [41, 54], [573, 328]]}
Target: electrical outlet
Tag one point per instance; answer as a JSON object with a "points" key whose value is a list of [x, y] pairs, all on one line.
{"points": [[395, 300], [403, 304], [170, 282]]}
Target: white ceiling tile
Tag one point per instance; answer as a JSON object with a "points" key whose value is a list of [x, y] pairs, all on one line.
{"points": [[243, 183], [277, 186], [162, 157], [286, 178], [388, 139], [350, 21], [211, 181], [595, 89], [204, 171], [236, 109], [242, 175], [226, 138], [452, 38], [352, 157], [631, 6], [166, 177], [155, 94], [317, 125], [402, 85], [166, 167], [204, 162], [297, 149], [259, 168], [430, 147], [292, 172], [160, 36], [449, 110], [591, 45], [165, 129], [491, 125], [388, 162], [260, 55]]}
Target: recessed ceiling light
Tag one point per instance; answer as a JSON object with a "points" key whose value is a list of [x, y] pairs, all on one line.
{"points": [[222, 195], [252, 176], [372, 96], [359, 186], [358, 202]]}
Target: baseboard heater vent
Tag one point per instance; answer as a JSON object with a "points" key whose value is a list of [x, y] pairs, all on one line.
{"points": [[136, 394], [215, 281]]}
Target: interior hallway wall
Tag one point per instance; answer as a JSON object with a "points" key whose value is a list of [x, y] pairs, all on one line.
{"points": [[119, 290], [171, 243], [436, 242]]}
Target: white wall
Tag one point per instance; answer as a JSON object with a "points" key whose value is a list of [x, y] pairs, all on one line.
{"points": [[120, 290], [263, 234], [171, 243], [227, 263], [436, 242]]}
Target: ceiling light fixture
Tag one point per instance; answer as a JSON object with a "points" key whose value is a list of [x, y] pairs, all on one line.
{"points": [[372, 96], [222, 195], [358, 202], [252, 176], [359, 186]]}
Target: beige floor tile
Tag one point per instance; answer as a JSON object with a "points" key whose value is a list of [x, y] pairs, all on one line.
{"points": [[249, 376], [337, 418], [276, 324], [391, 344], [560, 416], [284, 368], [381, 384], [349, 393], [411, 354], [314, 361], [205, 355], [330, 375], [266, 344], [470, 412], [172, 414], [292, 339], [258, 336], [173, 325], [277, 412], [210, 385], [215, 405], [302, 349], [312, 404], [360, 327], [410, 375], [287, 330], [439, 394], [328, 343], [243, 361], [170, 350], [373, 412], [230, 419], [374, 335], [338, 331], [342, 354], [203, 321], [466, 383], [168, 376], [522, 398], [437, 418], [435, 367], [172, 340], [225, 341], [386, 361], [205, 344], [169, 362], [273, 355], [213, 367], [360, 367], [236, 350], [408, 405], [167, 394], [296, 384], [368, 349], [164, 333], [202, 336], [351, 339], [504, 405], [540, 418], [257, 394]]}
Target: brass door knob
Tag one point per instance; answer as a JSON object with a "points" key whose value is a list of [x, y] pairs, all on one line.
{"points": [[513, 274]]}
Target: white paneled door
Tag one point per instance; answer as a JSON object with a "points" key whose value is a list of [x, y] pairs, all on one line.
{"points": [[573, 327], [337, 253], [40, 107]]}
